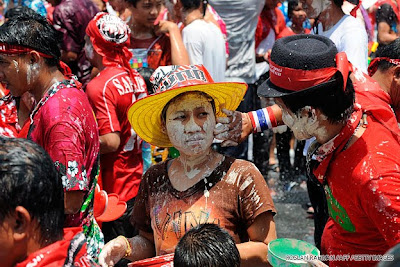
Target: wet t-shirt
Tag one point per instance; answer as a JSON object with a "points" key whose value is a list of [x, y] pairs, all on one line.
{"points": [[364, 187], [237, 194]]}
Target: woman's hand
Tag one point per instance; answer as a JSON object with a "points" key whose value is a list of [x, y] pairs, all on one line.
{"points": [[113, 251]]}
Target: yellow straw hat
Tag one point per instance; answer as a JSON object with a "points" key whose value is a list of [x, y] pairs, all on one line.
{"points": [[171, 81]]}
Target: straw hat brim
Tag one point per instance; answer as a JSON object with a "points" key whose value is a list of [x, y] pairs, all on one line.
{"points": [[145, 114]]}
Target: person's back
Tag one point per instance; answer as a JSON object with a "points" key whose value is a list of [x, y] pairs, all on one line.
{"points": [[241, 18], [349, 35], [205, 45], [111, 94]]}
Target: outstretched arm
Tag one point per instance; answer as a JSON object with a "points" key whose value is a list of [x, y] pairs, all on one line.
{"points": [[237, 126]]}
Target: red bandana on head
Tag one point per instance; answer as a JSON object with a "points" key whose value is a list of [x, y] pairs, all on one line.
{"points": [[18, 50], [373, 66], [110, 37], [298, 79]]}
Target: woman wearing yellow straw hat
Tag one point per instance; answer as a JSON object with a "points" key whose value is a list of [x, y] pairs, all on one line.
{"points": [[200, 186]]}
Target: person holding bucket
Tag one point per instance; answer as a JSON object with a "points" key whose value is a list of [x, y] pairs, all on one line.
{"points": [[355, 149], [201, 185]]}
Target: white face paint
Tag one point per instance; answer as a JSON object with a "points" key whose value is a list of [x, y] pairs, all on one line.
{"points": [[32, 73], [190, 123], [303, 125], [16, 66]]}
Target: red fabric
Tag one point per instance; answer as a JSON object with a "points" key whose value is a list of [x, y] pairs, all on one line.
{"points": [[365, 186], [269, 19], [289, 32], [63, 124], [17, 49], [299, 79], [111, 93], [159, 54], [353, 12], [271, 116], [24, 130], [56, 254], [373, 66], [114, 54], [8, 114]]}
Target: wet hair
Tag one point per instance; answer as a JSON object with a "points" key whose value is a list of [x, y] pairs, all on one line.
{"points": [[330, 98], [292, 4], [28, 178], [34, 31], [391, 50], [164, 110], [206, 245], [146, 74]]}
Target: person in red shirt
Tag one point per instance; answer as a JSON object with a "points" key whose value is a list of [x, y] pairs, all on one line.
{"points": [[111, 93], [271, 23], [356, 145], [62, 121], [32, 211], [8, 114], [161, 38], [297, 16]]}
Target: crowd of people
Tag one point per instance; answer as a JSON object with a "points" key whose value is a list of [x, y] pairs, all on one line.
{"points": [[88, 87]]}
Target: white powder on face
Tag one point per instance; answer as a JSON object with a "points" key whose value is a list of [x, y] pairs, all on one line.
{"points": [[184, 130], [16, 66], [89, 50], [304, 127], [32, 73]]}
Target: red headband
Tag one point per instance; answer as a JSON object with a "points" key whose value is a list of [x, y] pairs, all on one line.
{"points": [[298, 79], [17, 49], [373, 66]]}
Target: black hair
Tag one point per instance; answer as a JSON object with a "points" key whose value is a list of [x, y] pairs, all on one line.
{"points": [[292, 4], [206, 245], [194, 4], [190, 4], [34, 31], [164, 110], [146, 74], [28, 178], [391, 50], [132, 2], [338, 3], [19, 10], [330, 98]]}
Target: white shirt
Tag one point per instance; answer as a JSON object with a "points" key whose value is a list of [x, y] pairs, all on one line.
{"points": [[350, 36], [241, 17], [205, 45]]}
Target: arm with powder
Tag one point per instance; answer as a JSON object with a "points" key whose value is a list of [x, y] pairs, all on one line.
{"points": [[256, 209], [136, 248], [237, 126]]}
